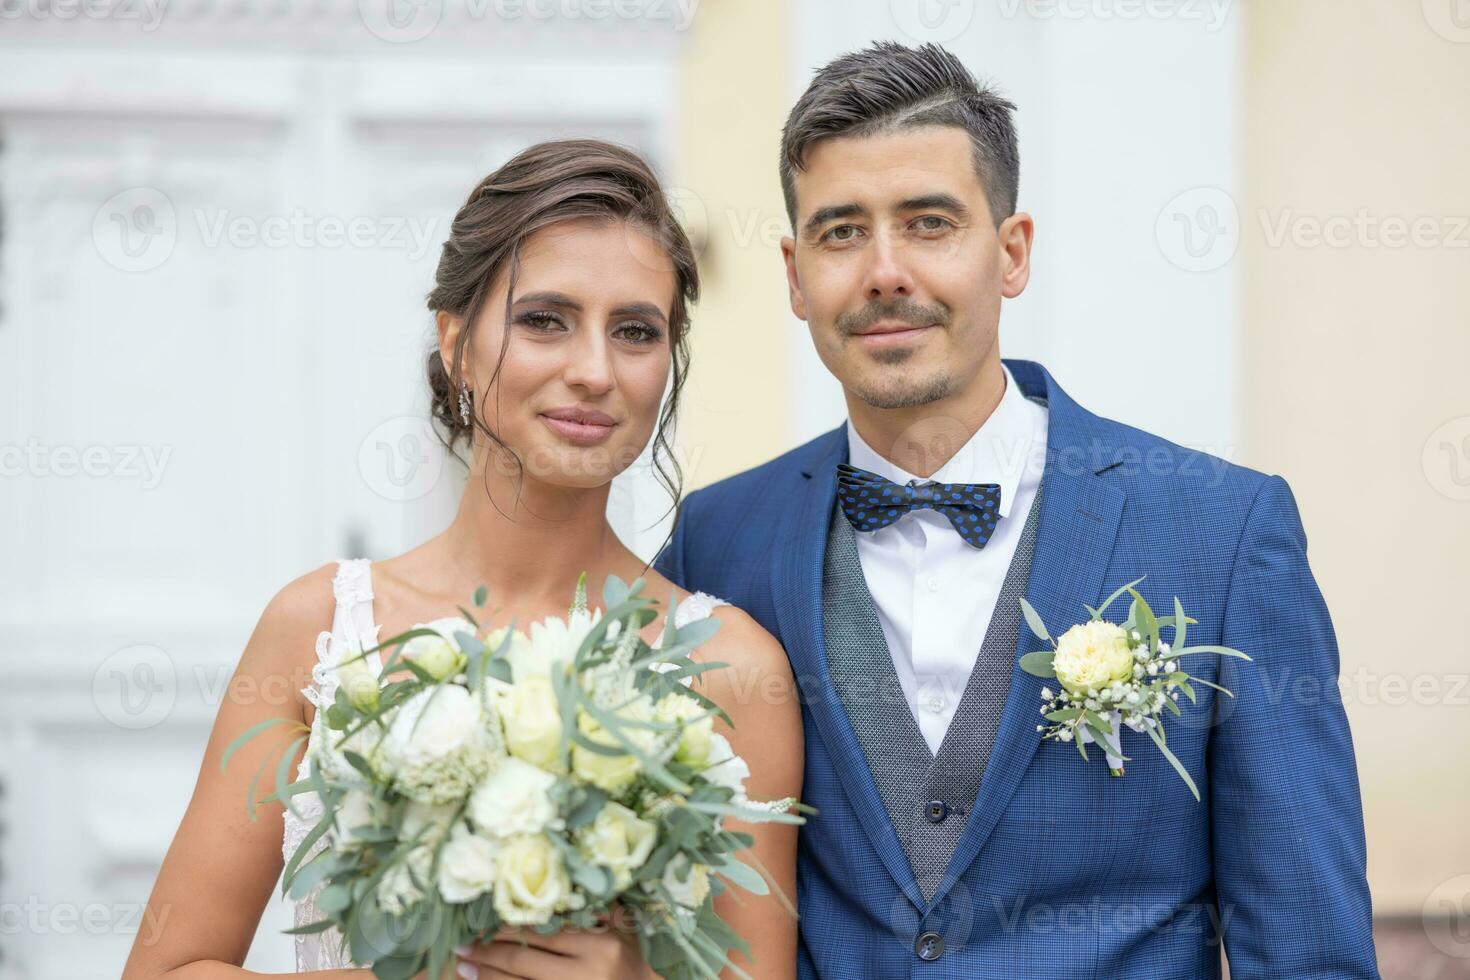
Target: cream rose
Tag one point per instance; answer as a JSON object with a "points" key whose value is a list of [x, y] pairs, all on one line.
{"points": [[619, 840], [613, 773], [514, 799], [1092, 655], [532, 721], [439, 655], [696, 728], [531, 882]]}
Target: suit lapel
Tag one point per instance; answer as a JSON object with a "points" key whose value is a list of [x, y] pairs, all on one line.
{"points": [[1080, 513], [797, 581]]}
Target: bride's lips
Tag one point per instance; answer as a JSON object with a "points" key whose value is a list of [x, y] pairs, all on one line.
{"points": [[583, 426]]}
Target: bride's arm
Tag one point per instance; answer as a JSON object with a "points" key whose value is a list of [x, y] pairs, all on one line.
{"points": [[222, 867], [758, 692]]}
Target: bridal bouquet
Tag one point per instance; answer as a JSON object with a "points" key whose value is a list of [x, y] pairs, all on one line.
{"points": [[525, 780], [1114, 676]]}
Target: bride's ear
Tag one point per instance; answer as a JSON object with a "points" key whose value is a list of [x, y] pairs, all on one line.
{"points": [[449, 327]]}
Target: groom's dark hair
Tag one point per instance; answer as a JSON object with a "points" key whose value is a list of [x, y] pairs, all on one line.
{"points": [[889, 87]]}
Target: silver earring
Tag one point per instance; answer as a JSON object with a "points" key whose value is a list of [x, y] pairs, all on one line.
{"points": [[464, 403]]}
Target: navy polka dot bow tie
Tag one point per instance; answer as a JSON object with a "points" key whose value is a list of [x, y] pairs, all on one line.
{"points": [[872, 502]]}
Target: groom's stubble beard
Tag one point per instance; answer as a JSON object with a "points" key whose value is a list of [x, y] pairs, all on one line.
{"points": [[899, 391]]}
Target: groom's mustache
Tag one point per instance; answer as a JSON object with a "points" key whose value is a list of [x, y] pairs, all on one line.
{"points": [[902, 310]]}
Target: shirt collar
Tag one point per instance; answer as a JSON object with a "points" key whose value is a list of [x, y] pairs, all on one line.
{"points": [[998, 452]]}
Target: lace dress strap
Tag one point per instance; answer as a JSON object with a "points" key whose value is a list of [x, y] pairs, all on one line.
{"points": [[696, 606], [353, 629]]}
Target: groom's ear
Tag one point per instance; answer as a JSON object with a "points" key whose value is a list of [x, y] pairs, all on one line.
{"points": [[793, 282]]}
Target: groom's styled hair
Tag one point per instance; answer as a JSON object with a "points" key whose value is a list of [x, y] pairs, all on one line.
{"points": [[889, 87]]}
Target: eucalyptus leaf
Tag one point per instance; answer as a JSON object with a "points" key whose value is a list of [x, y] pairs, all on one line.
{"points": [[1173, 760], [1038, 663], [1033, 620], [1110, 599]]}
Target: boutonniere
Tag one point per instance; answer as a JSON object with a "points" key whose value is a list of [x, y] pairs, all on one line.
{"points": [[1114, 676]]}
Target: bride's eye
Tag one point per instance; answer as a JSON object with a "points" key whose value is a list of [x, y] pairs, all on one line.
{"points": [[638, 332], [541, 321]]}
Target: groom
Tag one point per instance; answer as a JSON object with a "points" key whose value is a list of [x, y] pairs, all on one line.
{"points": [[951, 840]]}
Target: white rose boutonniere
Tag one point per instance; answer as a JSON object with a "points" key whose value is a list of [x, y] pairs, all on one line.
{"points": [[1116, 675]]}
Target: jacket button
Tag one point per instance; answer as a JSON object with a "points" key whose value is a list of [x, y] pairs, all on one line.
{"points": [[936, 811], [929, 946]]}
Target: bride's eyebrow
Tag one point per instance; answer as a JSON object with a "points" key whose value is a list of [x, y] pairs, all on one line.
{"points": [[550, 298], [563, 301], [640, 309]]}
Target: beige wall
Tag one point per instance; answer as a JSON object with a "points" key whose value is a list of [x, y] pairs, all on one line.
{"points": [[1353, 357], [737, 404]]}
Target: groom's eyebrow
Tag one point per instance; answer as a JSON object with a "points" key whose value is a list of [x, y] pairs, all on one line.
{"points": [[936, 202], [831, 213]]}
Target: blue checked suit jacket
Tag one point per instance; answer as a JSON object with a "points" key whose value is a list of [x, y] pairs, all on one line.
{"points": [[1063, 869]]}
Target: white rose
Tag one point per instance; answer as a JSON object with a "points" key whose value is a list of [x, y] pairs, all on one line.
{"points": [[726, 768], [426, 822], [619, 840], [439, 655], [696, 728], [439, 745], [467, 866], [398, 891], [1092, 655], [532, 720], [357, 810], [531, 882], [514, 799], [694, 888], [357, 681]]}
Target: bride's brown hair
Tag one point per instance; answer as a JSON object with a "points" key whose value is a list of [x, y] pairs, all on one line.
{"points": [[554, 181]]}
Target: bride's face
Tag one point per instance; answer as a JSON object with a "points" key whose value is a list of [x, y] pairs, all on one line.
{"points": [[586, 356]]}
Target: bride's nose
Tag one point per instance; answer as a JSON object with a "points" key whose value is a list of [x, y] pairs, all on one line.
{"points": [[589, 363]]}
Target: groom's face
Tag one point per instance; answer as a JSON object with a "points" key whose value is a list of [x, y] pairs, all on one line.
{"points": [[897, 265]]}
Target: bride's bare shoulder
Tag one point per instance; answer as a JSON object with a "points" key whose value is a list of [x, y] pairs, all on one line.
{"points": [[740, 638], [285, 636]]}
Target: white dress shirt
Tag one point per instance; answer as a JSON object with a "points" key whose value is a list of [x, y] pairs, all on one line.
{"points": [[934, 593]]}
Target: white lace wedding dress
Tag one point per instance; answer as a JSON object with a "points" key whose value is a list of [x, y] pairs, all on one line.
{"points": [[353, 630]]}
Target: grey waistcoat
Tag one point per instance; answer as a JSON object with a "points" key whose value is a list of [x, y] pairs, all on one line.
{"points": [[912, 782]]}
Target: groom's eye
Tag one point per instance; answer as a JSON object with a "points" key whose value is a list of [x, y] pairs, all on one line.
{"points": [[841, 233], [931, 223]]}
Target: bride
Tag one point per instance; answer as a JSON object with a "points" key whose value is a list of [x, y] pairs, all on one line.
{"points": [[561, 301]]}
